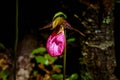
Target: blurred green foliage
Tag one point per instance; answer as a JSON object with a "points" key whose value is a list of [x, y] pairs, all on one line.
{"points": [[107, 20], [117, 1], [39, 50], [42, 57], [4, 74], [86, 76], [57, 76], [46, 59], [70, 40], [51, 59], [73, 77], [2, 46], [35, 72]]}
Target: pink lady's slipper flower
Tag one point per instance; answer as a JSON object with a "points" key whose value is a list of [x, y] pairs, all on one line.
{"points": [[56, 43]]}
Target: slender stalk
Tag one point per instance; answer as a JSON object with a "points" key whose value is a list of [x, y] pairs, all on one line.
{"points": [[64, 63], [16, 41]]}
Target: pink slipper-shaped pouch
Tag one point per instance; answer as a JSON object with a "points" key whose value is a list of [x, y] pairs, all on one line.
{"points": [[56, 43]]}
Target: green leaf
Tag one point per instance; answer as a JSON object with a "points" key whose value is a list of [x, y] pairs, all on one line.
{"points": [[41, 59], [70, 40], [51, 59], [35, 73], [73, 77], [57, 76], [4, 74], [39, 50], [57, 67]]}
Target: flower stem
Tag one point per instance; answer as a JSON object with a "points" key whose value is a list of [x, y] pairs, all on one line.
{"points": [[64, 63], [16, 41]]}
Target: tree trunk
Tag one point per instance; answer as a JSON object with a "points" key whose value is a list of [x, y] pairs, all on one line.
{"points": [[24, 64], [98, 53]]}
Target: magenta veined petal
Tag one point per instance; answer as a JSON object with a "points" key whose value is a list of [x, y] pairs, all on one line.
{"points": [[56, 44]]}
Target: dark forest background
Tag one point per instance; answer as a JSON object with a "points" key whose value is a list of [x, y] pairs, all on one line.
{"points": [[41, 11]]}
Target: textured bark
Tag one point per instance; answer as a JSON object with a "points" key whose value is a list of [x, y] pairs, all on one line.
{"points": [[98, 53]]}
